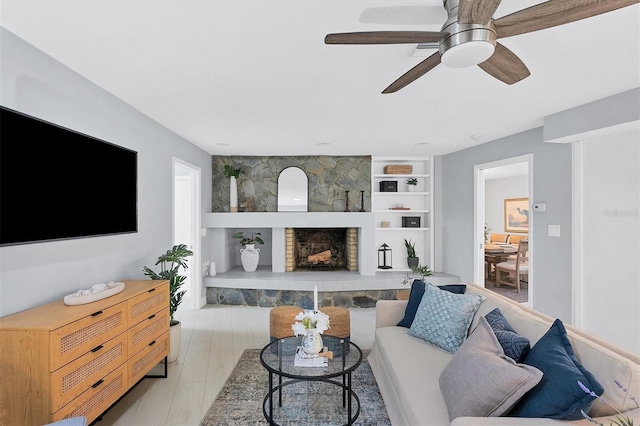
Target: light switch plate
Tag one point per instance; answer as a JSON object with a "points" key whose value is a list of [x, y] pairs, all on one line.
{"points": [[553, 230]]}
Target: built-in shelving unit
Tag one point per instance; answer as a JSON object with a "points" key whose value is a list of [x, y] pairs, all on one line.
{"points": [[418, 203]]}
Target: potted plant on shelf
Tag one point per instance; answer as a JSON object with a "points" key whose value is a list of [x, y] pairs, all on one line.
{"points": [[249, 254], [232, 173], [412, 260], [424, 271], [170, 264], [412, 184]]}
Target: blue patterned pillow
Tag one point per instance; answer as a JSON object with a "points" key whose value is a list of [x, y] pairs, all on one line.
{"points": [[415, 297], [515, 346], [443, 318]]}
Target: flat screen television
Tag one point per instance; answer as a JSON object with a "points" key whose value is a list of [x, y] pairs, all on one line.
{"points": [[59, 184]]}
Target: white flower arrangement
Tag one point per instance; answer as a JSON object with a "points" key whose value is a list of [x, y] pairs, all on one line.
{"points": [[310, 319]]}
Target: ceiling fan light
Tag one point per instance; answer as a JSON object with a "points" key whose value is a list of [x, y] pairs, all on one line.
{"points": [[468, 54]]}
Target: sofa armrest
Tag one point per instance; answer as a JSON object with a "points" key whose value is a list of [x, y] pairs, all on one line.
{"points": [[389, 312]]}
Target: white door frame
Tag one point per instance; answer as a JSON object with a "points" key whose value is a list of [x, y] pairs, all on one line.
{"points": [[478, 216], [198, 298]]}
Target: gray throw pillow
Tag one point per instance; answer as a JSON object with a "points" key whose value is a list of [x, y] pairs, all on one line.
{"points": [[443, 318], [481, 381]]}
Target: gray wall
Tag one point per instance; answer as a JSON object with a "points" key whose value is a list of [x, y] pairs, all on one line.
{"points": [[551, 184], [36, 84]]}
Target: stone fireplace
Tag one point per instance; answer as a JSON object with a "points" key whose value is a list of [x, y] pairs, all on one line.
{"points": [[321, 249]]}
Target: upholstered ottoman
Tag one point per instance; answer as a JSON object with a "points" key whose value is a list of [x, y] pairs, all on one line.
{"points": [[281, 318], [339, 326]]}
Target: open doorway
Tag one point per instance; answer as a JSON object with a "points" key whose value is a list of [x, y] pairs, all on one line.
{"points": [[500, 187], [186, 228]]}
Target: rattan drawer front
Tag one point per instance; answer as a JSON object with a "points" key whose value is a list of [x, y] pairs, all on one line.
{"points": [[79, 337], [140, 363], [96, 400], [148, 330], [144, 305], [78, 376]]}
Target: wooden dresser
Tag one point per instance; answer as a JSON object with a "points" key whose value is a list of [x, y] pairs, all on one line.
{"points": [[59, 361]]}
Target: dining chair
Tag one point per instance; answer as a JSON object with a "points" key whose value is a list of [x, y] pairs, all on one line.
{"points": [[499, 238], [517, 269]]}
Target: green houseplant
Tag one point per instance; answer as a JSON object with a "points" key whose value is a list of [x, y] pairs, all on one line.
{"points": [[412, 184], [230, 171], [412, 259], [170, 264], [254, 239]]}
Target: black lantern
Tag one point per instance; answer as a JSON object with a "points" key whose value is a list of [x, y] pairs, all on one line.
{"points": [[384, 257]]}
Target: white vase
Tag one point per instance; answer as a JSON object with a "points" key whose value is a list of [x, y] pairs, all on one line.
{"points": [[250, 256], [312, 342], [175, 333], [233, 194], [411, 188]]}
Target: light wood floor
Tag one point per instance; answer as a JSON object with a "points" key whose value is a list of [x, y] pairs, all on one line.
{"points": [[213, 338]]}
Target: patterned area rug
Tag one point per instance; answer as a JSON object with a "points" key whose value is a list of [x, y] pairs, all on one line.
{"points": [[240, 400]]}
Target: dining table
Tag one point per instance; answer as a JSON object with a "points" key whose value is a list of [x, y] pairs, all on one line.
{"points": [[495, 253]]}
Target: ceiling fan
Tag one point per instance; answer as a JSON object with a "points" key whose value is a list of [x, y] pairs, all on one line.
{"points": [[469, 36]]}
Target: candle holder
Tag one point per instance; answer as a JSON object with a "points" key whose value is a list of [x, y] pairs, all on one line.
{"points": [[362, 201], [346, 201]]}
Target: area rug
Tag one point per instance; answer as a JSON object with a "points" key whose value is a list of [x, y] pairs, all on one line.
{"points": [[510, 292], [240, 399]]}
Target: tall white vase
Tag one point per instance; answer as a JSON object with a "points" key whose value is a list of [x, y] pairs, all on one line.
{"points": [[250, 256], [175, 333], [233, 194]]}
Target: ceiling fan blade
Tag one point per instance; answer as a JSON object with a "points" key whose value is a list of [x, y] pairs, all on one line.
{"points": [[477, 11], [505, 66], [385, 37], [414, 73], [553, 13]]}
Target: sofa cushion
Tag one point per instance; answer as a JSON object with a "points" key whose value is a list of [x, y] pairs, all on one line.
{"points": [[558, 395], [481, 381], [415, 297], [514, 345], [443, 318]]}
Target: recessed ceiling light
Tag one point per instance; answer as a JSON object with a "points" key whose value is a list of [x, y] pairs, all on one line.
{"points": [[222, 144], [476, 137], [422, 144], [323, 144]]}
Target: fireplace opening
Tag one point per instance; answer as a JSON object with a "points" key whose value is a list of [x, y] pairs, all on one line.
{"points": [[321, 249]]}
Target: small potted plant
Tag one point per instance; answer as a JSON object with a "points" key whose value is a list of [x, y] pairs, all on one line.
{"points": [[424, 271], [170, 264], [412, 260], [232, 173], [249, 254], [412, 184]]}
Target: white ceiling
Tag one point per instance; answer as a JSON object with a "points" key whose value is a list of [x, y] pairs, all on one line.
{"points": [[240, 77]]}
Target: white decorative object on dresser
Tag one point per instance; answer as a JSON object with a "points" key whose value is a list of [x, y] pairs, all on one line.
{"points": [[400, 213], [60, 361]]}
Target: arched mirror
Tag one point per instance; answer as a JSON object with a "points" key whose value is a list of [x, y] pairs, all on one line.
{"points": [[293, 187]]}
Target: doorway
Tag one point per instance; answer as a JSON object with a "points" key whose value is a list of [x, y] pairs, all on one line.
{"points": [[496, 185], [186, 229]]}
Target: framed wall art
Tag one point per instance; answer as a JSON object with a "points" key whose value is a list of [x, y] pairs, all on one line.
{"points": [[516, 215]]}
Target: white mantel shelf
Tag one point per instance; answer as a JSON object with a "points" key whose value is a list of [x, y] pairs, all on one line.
{"points": [[289, 220]]}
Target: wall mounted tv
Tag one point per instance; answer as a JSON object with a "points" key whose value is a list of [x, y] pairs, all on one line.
{"points": [[59, 184]]}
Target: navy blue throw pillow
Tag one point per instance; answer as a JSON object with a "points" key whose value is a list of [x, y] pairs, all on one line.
{"points": [[514, 345], [415, 297], [558, 395]]}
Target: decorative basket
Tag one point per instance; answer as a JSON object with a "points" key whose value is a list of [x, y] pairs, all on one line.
{"points": [[398, 169]]}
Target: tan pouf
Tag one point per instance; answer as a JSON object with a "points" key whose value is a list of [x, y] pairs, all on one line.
{"points": [[339, 326], [281, 318]]}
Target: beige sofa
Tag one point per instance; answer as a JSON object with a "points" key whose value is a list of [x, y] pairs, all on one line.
{"points": [[407, 369]]}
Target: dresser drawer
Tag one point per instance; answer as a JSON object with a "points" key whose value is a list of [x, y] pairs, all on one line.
{"points": [[140, 363], [79, 337], [79, 375], [148, 330], [96, 400], [146, 304]]}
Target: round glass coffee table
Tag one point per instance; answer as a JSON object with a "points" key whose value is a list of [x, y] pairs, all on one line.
{"points": [[303, 396]]}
